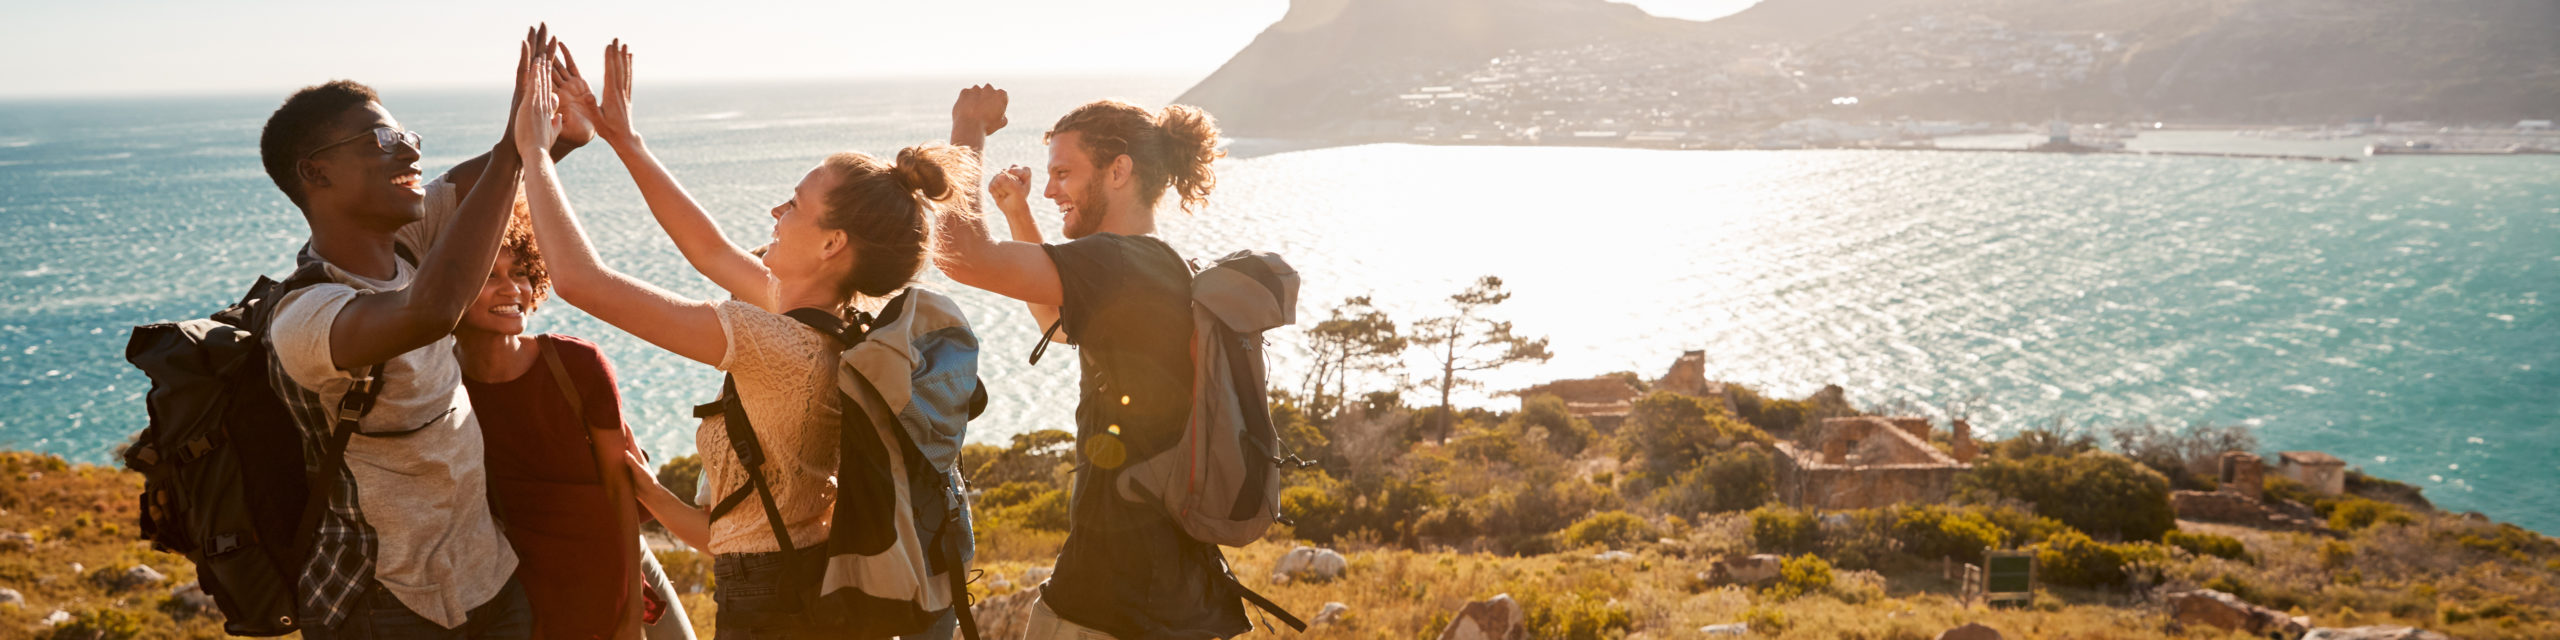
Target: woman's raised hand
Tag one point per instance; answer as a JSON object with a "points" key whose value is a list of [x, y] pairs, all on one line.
{"points": [[537, 114], [613, 104], [577, 101]]}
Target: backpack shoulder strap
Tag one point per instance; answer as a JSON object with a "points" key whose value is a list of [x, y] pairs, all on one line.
{"points": [[560, 372]]}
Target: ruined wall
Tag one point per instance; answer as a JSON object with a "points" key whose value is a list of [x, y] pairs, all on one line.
{"points": [[1810, 484]]}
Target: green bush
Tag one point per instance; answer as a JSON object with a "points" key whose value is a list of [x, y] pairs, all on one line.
{"points": [[1667, 433], [1771, 415], [1609, 529], [1936, 531], [99, 624], [2357, 513], [2094, 492], [1764, 620], [1578, 616], [2073, 559], [1044, 511], [1315, 511], [1567, 434], [2206, 544], [683, 476], [2337, 554], [1801, 576], [1009, 494], [1783, 529], [1735, 480]]}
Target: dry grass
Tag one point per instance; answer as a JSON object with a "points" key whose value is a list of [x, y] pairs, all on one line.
{"points": [[2441, 572]]}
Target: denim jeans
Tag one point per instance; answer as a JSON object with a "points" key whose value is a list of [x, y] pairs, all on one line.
{"points": [[380, 616], [753, 587]]}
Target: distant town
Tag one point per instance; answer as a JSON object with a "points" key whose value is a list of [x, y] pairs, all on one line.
{"points": [[1694, 95]]}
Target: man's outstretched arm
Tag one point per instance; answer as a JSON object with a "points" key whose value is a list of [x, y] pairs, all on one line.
{"points": [[377, 327]]}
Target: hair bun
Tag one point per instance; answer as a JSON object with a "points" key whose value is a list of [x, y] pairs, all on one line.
{"points": [[919, 170]]}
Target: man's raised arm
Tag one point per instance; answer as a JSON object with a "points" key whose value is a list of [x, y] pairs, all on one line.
{"points": [[377, 327]]}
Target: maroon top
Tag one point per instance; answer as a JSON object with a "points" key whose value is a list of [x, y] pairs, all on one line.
{"points": [[544, 486]]}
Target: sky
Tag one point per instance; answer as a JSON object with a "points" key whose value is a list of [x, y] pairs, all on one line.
{"points": [[160, 47]]}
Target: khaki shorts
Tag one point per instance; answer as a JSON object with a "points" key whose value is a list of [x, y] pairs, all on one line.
{"points": [[1046, 625]]}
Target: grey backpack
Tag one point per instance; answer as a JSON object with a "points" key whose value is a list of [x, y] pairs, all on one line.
{"points": [[1221, 480]]}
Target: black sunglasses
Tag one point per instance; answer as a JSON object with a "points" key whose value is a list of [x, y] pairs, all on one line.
{"points": [[384, 137]]}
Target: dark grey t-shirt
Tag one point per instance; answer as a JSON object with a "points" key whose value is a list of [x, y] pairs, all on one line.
{"points": [[1126, 569]]}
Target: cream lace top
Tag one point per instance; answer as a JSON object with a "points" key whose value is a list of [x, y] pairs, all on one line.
{"points": [[786, 378]]}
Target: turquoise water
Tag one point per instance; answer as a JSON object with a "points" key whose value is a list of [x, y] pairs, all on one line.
{"points": [[2391, 312]]}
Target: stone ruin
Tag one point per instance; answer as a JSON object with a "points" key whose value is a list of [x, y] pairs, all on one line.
{"points": [[1865, 462], [1605, 401], [2323, 473], [2241, 500]]}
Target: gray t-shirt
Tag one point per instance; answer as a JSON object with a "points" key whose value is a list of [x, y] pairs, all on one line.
{"points": [[416, 459]]}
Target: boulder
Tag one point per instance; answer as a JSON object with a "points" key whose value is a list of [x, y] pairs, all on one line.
{"points": [[16, 541], [1332, 614], [190, 600], [1005, 616], [11, 597], [137, 577], [1727, 629], [1970, 631], [2375, 633], [1308, 564], [56, 618], [1613, 556], [1495, 619], [1747, 570], [2210, 607]]}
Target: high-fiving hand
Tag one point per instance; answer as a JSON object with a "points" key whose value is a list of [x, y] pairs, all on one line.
{"points": [[611, 108], [536, 121], [577, 102], [537, 39]]}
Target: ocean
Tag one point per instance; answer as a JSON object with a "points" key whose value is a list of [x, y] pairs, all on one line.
{"points": [[2390, 312]]}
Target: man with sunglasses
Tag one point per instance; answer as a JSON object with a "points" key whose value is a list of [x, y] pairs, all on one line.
{"points": [[407, 547]]}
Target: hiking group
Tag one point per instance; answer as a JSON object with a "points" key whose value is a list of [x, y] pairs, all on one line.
{"points": [[374, 448]]}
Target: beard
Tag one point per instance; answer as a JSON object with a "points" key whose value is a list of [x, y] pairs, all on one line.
{"points": [[1090, 208]]}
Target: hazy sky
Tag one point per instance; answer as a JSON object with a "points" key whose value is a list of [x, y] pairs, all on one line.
{"points": [[128, 47]]}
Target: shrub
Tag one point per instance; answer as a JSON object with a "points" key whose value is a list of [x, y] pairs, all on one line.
{"points": [[2094, 492], [1667, 433], [683, 476], [1036, 457], [2357, 513], [1771, 415], [1934, 531], [2206, 544], [1567, 434], [1578, 616], [1735, 480], [1764, 620], [688, 571], [2337, 554], [99, 624], [1782, 529], [1801, 575], [2033, 443], [1044, 511], [1315, 513], [1610, 529], [2073, 559]]}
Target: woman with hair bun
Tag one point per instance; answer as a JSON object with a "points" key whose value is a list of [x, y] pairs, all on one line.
{"points": [[855, 231]]}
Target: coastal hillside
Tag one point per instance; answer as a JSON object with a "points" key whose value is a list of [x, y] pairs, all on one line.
{"points": [[1626, 507], [1380, 70]]}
